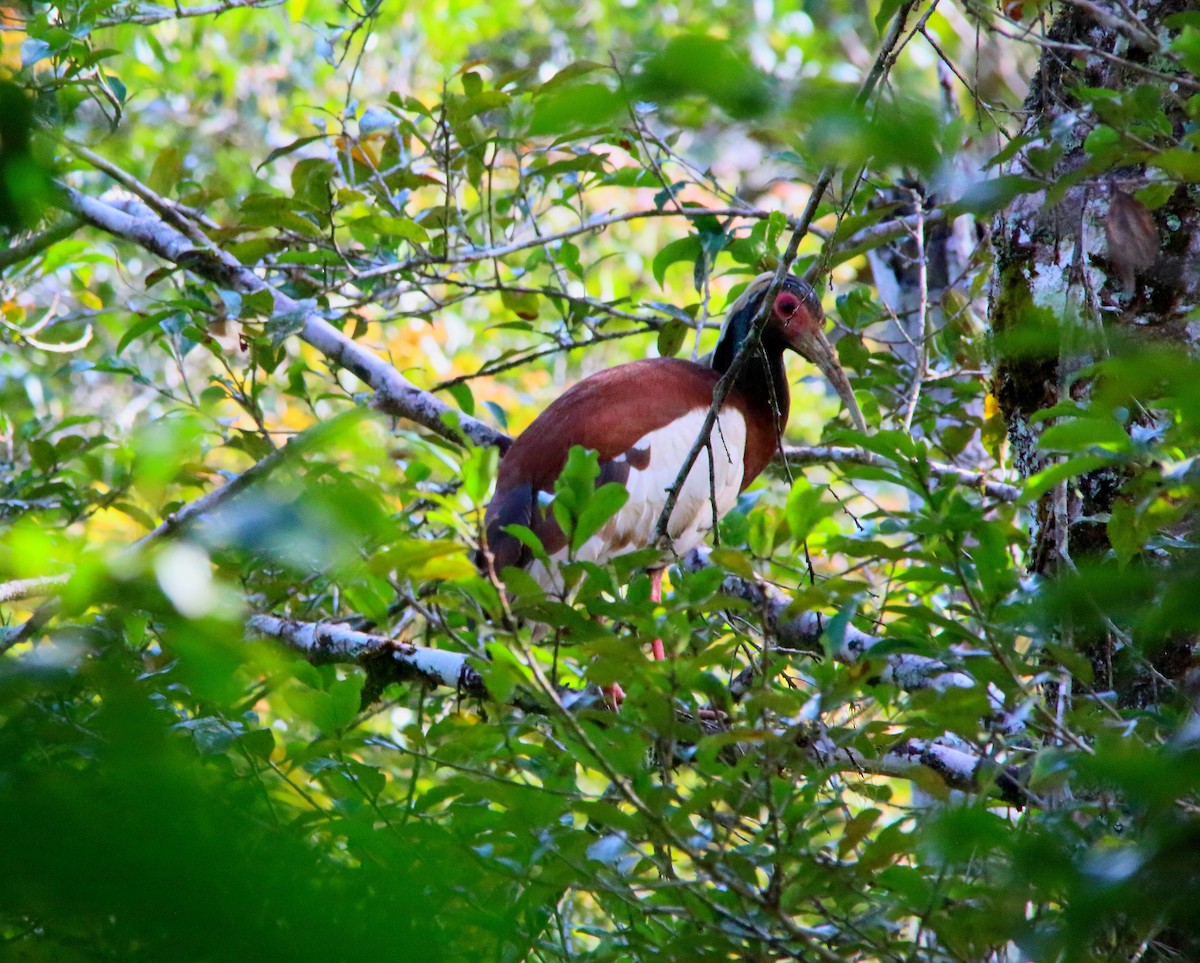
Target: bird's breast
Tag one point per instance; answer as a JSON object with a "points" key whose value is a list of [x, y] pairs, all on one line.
{"points": [[648, 469]]}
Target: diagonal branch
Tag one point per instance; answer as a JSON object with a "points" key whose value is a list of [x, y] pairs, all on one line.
{"points": [[33, 246], [394, 394]]}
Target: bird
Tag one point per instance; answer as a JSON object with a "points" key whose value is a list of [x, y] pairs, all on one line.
{"points": [[642, 419]]}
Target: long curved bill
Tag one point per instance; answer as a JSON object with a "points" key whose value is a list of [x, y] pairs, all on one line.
{"points": [[815, 347]]}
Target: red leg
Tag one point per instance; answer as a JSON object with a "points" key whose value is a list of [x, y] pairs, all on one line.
{"points": [[656, 577], [614, 695]]}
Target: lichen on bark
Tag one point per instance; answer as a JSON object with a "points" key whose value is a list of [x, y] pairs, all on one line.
{"points": [[1101, 256]]}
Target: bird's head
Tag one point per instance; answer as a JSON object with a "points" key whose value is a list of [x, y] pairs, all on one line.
{"points": [[797, 322]]}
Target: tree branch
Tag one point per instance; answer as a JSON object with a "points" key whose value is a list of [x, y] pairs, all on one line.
{"points": [[31, 247], [31, 587], [803, 456], [150, 14], [958, 765], [803, 632], [954, 762], [328, 643], [394, 394]]}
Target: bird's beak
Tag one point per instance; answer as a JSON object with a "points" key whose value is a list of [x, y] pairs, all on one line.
{"points": [[812, 345]]}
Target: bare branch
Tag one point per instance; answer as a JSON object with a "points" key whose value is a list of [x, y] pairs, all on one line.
{"points": [[34, 246], [149, 14], [179, 216], [596, 223], [959, 765], [394, 394], [955, 762], [848, 248], [324, 643], [802, 633], [803, 456], [31, 587]]}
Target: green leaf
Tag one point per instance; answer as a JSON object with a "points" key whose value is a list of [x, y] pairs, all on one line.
{"points": [[570, 73], [166, 173], [1045, 480], [987, 197], [527, 537], [685, 248], [144, 323], [1181, 162], [806, 507], [604, 503], [671, 337], [573, 107], [437, 558], [524, 304], [574, 487], [579, 507], [116, 85], [732, 560], [1084, 434], [886, 11], [478, 469], [295, 145], [461, 392], [711, 68]]}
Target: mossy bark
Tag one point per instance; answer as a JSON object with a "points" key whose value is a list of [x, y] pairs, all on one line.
{"points": [[1081, 266]]}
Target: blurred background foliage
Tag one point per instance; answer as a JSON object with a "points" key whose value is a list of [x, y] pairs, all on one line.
{"points": [[500, 198]]}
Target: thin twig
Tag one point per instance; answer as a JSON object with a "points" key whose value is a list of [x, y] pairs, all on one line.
{"points": [[162, 13], [922, 360], [722, 388]]}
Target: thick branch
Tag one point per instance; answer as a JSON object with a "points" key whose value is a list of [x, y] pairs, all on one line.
{"points": [[956, 763], [394, 394], [33, 246], [324, 643]]}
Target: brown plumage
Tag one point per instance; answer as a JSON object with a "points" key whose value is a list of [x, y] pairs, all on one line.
{"points": [[643, 417]]}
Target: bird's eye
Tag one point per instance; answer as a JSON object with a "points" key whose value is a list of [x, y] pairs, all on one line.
{"points": [[786, 306]]}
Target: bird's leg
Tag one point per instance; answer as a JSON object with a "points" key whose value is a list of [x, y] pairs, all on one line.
{"points": [[659, 654], [656, 577], [614, 695]]}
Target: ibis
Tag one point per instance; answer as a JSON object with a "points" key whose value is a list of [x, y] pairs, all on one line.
{"points": [[643, 419]]}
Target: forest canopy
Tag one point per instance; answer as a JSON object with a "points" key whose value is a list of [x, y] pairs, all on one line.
{"points": [[280, 282]]}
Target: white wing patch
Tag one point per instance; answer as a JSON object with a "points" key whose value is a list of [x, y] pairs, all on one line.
{"points": [[692, 518]]}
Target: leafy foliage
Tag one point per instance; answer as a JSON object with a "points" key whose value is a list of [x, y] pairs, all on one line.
{"points": [[911, 710]]}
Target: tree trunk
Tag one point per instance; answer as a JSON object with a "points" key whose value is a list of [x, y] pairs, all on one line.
{"points": [[1084, 271]]}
